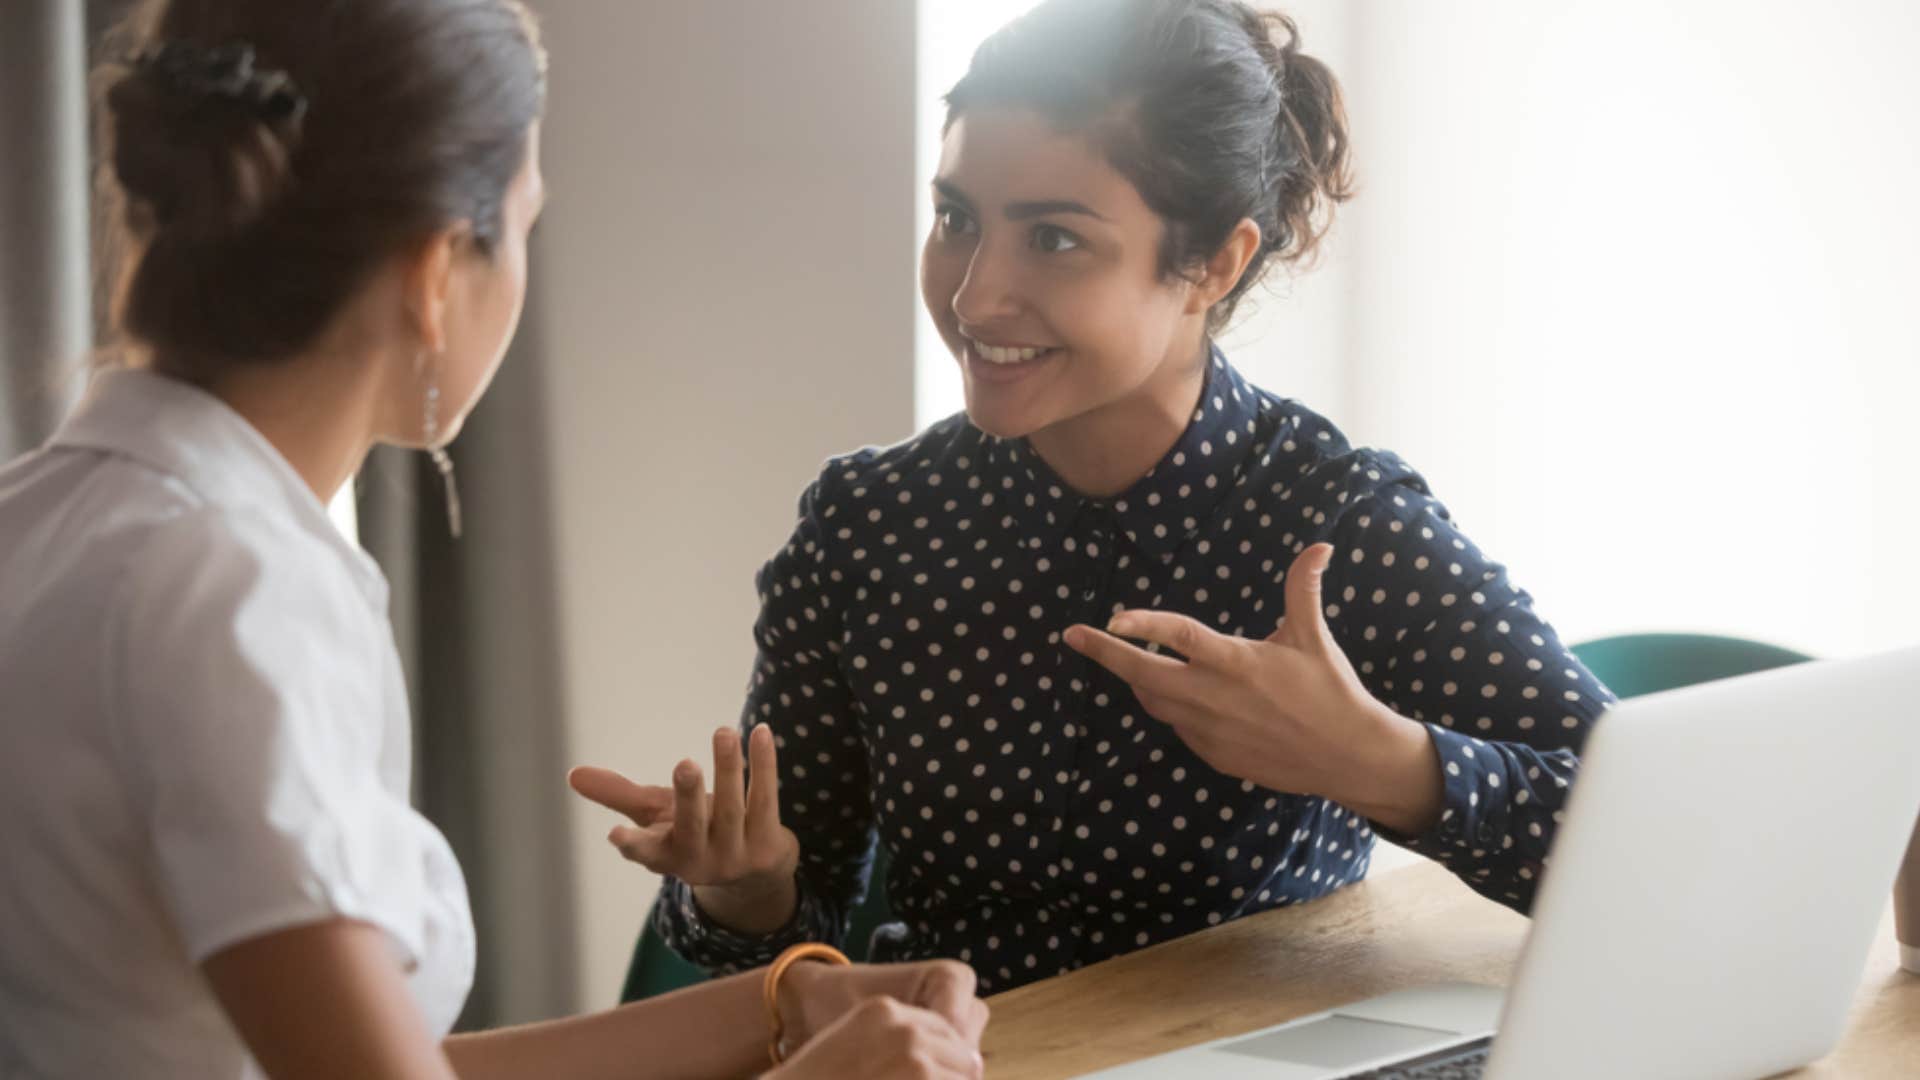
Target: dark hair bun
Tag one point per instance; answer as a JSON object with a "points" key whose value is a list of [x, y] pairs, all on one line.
{"points": [[262, 159], [1315, 171], [203, 144]]}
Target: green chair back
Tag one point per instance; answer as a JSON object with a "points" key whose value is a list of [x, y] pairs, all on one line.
{"points": [[657, 969], [1635, 664]]}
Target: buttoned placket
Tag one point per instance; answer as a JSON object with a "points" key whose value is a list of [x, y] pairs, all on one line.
{"points": [[1091, 548]]}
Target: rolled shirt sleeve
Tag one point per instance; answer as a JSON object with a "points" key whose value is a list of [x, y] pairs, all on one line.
{"points": [[1439, 632]]}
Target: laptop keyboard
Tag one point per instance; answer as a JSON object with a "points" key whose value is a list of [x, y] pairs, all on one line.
{"points": [[1466, 1061]]}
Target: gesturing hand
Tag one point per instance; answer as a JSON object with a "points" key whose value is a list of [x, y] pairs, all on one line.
{"points": [[1288, 713], [731, 842]]}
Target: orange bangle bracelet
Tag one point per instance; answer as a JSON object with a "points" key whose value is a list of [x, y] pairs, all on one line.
{"points": [[807, 951]]}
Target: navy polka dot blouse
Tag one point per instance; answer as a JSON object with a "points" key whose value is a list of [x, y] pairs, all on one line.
{"points": [[1036, 819]]}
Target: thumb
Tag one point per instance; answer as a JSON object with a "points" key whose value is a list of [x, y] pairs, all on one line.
{"points": [[1306, 619]]}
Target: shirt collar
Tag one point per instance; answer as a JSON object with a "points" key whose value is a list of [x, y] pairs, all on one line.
{"points": [[185, 432], [1167, 506]]}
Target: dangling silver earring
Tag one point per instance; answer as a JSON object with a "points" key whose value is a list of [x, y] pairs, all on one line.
{"points": [[431, 431]]}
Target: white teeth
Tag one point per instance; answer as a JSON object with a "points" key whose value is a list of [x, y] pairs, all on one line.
{"points": [[994, 354]]}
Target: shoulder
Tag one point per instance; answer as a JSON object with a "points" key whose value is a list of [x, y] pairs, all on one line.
{"points": [[880, 480], [237, 595], [206, 552], [1304, 457]]}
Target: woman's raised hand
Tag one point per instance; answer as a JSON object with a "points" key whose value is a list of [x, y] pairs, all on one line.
{"points": [[1288, 713], [729, 844]]}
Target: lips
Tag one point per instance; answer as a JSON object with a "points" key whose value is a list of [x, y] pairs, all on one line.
{"points": [[1003, 355], [1005, 363]]}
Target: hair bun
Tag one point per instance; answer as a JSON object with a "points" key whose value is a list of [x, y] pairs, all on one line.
{"points": [[202, 140]]}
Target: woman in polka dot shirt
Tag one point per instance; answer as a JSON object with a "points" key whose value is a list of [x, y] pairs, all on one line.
{"points": [[1131, 647]]}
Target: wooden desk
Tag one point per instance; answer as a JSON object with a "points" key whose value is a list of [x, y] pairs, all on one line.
{"points": [[1407, 927]]}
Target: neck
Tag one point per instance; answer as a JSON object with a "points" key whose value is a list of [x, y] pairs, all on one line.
{"points": [[1106, 451], [318, 411]]}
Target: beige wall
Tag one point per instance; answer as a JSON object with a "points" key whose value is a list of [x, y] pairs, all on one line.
{"points": [[725, 295]]}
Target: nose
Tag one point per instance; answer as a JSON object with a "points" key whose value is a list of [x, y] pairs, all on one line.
{"points": [[987, 293]]}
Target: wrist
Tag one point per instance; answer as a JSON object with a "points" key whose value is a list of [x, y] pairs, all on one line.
{"points": [[790, 983], [801, 983], [758, 905], [1394, 775]]}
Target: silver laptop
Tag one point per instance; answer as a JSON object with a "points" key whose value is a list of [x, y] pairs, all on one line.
{"points": [[1712, 896]]}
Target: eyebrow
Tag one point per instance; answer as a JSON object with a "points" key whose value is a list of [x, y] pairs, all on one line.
{"points": [[1023, 211]]}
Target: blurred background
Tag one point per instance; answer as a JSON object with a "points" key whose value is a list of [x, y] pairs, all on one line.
{"points": [[1635, 283]]}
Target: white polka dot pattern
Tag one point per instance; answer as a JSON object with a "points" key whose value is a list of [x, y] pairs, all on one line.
{"points": [[1036, 818]]}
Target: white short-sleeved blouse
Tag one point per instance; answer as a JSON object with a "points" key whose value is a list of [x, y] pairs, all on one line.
{"points": [[203, 738]]}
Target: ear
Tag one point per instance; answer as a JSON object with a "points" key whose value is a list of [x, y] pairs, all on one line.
{"points": [[429, 279], [1222, 272]]}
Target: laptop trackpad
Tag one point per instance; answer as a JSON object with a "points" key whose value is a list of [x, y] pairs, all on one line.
{"points": [[1338, 1040]]}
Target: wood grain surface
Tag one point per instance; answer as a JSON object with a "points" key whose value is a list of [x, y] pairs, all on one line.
{"points": [[1405, 928]]}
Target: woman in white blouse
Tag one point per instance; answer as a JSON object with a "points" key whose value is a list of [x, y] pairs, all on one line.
{"points": [[211, 865]]}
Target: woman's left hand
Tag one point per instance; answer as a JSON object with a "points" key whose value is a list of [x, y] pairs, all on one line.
{"points": [[814, 996], [1288, 713]]}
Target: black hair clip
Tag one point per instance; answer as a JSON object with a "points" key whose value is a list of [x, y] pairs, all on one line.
{"points": [[225, 71]]}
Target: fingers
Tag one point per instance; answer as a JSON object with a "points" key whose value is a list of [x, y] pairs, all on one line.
{"points": [[949, 988], [763, 784], [932, 1042], [645, 805], [728, 825], [881, 1036], [689, 840], [947, 1047], [1306, 622], [1137, 667], [648, 847], [1175, 713], [1172, 630]]}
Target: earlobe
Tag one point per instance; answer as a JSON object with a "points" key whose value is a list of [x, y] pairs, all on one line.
{"points": [[429, 283]]}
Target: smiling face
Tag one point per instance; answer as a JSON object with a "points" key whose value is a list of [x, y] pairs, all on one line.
{"points": [[1042, 275]]}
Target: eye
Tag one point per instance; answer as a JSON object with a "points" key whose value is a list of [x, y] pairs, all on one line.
{"points": [[1054, 240], [951, 220]]}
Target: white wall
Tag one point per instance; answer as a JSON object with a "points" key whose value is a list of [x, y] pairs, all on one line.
{"points": [[1636, 284], [726, 296]]}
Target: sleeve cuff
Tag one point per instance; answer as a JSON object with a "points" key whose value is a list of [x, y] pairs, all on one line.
{"points": [[1464, 762], [694, 934]]}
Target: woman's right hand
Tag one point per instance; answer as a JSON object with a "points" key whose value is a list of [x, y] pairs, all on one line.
{"points": [[729, 845], [881, 1039]]}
